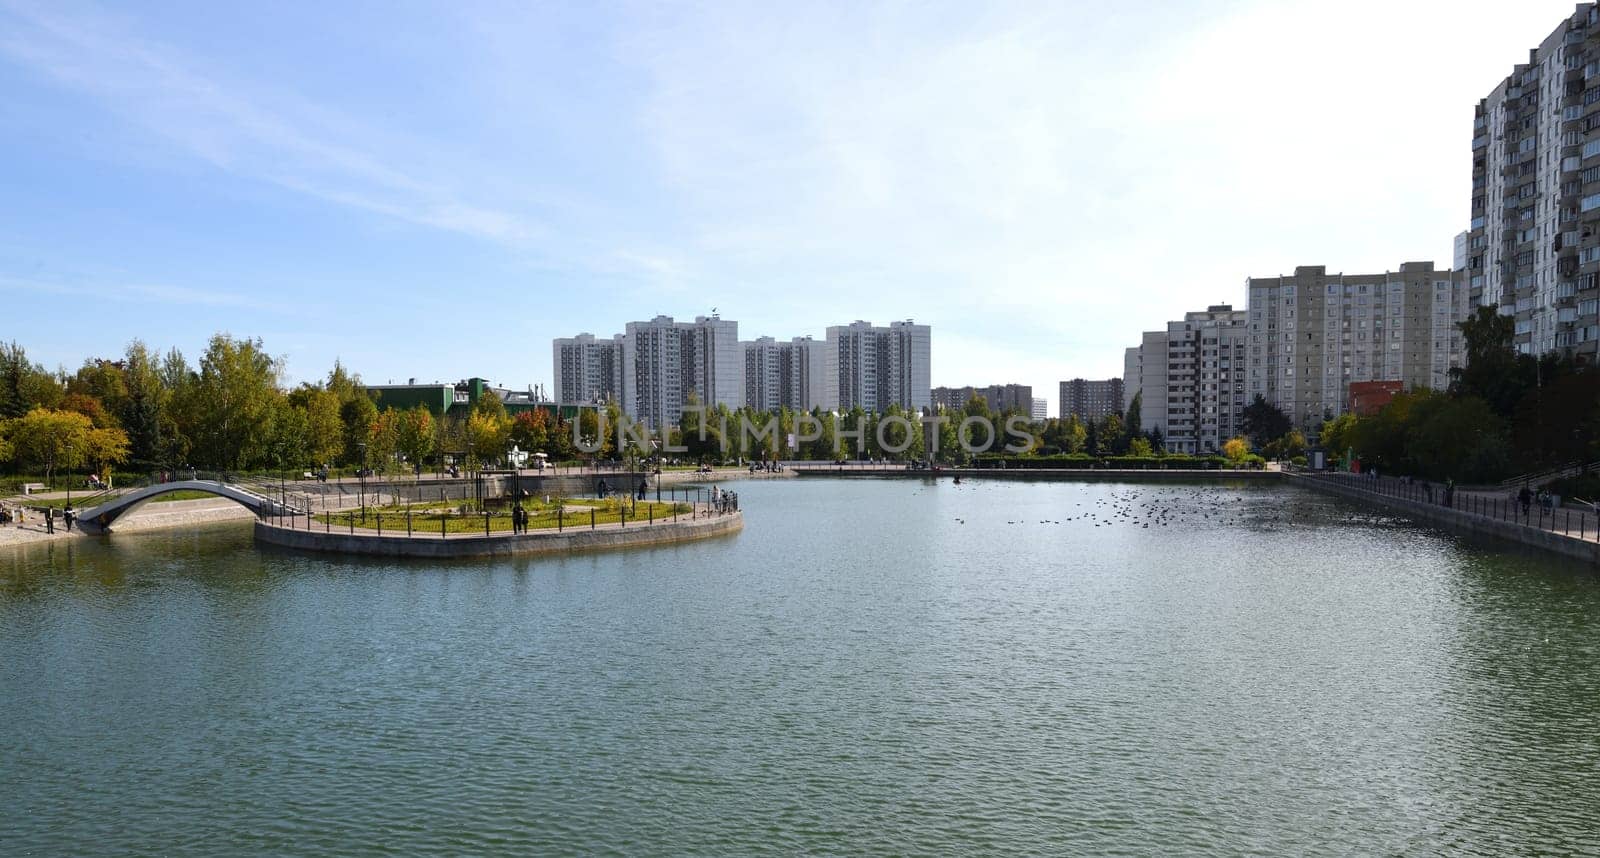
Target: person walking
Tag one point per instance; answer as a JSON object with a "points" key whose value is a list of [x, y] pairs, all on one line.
{"points": [[1525, 499]]}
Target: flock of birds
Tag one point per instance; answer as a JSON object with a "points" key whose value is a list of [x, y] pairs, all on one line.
{"points": [[1164, 507]]}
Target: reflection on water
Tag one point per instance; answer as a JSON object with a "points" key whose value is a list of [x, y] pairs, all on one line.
{"points": [[871, 666]]}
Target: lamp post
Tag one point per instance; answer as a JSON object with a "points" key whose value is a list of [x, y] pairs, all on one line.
{"points": [[362, 477]]}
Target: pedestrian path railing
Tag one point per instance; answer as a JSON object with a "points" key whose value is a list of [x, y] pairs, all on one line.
{"points": [[1511, 507]]}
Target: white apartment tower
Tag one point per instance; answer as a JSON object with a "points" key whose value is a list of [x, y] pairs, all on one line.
{"points": [[666, 362], [783, 375], [587, 370], [1313, 333], [1191, 377], [873, 368], [1533, 246]]}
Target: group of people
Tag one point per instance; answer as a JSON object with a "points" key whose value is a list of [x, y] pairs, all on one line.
{"points": [[519, 519], [723, 501], [1527, 497]]}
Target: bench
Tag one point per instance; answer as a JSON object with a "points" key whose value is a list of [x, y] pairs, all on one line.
{"points": [[30, 488]]}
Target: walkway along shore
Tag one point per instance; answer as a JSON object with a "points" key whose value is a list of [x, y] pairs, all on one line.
{"points": [[1562, 531], [306, 533]]}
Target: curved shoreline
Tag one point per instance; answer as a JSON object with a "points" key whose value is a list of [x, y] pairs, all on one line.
{"points": [[573, 539]]}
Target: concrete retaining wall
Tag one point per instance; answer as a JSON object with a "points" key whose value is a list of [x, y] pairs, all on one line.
{"points": [[1459, 521], [1063, 474], [464, 545]]}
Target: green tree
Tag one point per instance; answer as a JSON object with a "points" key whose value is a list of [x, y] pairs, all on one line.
{"points": [[325, 429], [356, 415], [415, 435], [233, 402], [1493, 370], [1263, 422], [51, 440], [144, 405], [1337, 436]]}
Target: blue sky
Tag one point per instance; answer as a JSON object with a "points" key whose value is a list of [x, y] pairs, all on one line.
{"points": [[438, 189]]}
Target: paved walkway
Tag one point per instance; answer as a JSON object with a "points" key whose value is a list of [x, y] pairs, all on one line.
{"points": [[1494, 505]]}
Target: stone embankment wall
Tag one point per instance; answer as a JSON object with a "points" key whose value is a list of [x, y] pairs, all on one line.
{"points": [[544, 541], [1459, 521], [1062, 474]]}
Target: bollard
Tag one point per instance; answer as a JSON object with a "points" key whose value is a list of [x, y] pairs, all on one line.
{"points": [[485, 522], [652, 511], [443, 532], [622, 515], [408, 523], [591, 518], [352, 519], [380, 524]]}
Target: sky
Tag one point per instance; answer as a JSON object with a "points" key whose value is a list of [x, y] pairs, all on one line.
{"points": [[436, 190]]}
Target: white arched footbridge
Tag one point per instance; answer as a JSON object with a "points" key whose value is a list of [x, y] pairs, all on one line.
{"points": [[100, 519]]}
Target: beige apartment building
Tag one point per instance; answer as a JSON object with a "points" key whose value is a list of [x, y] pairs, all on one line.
{"points": [[1091, 400], [1312, 334], [1533, 246], [999, 397]]}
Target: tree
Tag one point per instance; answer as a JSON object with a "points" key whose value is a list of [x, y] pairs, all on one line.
{"points": [[89, 407], [105, 449], [233, 402], [1263, 422], [1493, 370], [1456, 438], [1236, 449], [1337, 436], [530, 430], [1113, 435], [51, 439], [1135, 418], [144, 404], [325, 432], [24, 385], [1287, 447], [383, 441], [102, 380], [415, 435], [356, 415], [488, 434], [1140, 446]]}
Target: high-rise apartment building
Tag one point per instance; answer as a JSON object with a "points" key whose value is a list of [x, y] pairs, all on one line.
{"points": [[783, 375], [1191, 379], [1132, 367], [1041, 408], [1533, 246], [587, 370], [1313, 333], [665, 363], [873, 368], [1091, 400], [999, 397]]}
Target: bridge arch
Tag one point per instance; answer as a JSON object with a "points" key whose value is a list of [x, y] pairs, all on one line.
{"points": [[100, 519]]}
